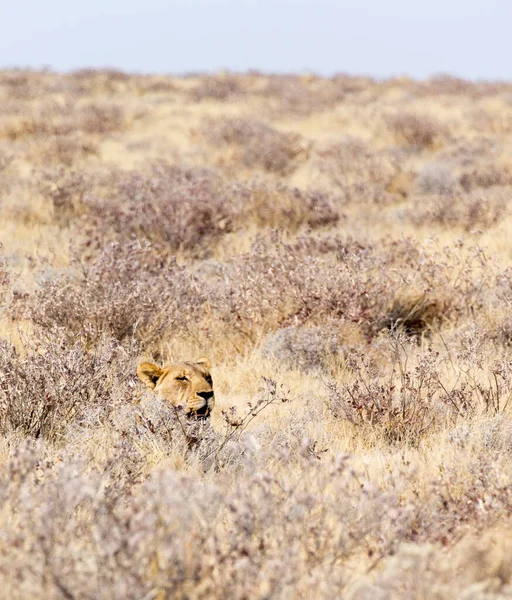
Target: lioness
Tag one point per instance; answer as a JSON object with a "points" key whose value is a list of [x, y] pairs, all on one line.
{"points": [[185, 385]]}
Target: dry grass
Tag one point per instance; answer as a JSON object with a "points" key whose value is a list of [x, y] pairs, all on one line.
{"points": [[340, 249]]}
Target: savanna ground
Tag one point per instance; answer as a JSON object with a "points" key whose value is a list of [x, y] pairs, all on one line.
{"points": [[340, 248]]}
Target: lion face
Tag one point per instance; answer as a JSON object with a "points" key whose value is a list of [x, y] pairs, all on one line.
{"points": [[186, 385]]}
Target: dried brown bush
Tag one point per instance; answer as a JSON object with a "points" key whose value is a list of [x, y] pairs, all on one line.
{"points": [[139, 543], [416, 313], [359, 171], [282, 207], [68, 150], [403, 406], [421, 131], [89, 81], [66, 190], [88, 535], [304, 348], [125, 292], [449, 85], [406, 403], [386, 286], [258, 145], [301, 96], [4, 278], [101, 118], [275, 286], [486, 175], [218, 87], [174, 208], [477, 210], [56, 119], [52, 384], [436, 179]]}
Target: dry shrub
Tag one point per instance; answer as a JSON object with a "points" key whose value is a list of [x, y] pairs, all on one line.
{"points": [[4, 278], [101, 118], [479, 567], [276, 285], [85, 543], [486, 175], [125, 292], [436, 179], [300, 96], [449, 85], [403, 403], [52, 384], [258, 145], [56, 119], [23, 84], [420, 131], [174, 208], [477, 210], [303, 348], [418, 289], [357, 169], [5, 160], [385, 286], [68, 530], [83, 82], [91, 118], [282, 207], [416, 313], [66, 190], [68, 150], [419, 390], [218, 87], [467, 154], [494, 122]]}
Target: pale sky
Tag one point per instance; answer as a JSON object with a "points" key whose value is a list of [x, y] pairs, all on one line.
{"points": [[468, 38]]}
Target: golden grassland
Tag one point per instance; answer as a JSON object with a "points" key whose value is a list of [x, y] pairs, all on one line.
{"points": [[340, 248]]}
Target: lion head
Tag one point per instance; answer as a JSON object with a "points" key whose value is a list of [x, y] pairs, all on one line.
{"points": [[186, 385]]}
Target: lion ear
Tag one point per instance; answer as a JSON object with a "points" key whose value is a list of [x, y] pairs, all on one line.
{"points": [[149, 373], [204, 362]]}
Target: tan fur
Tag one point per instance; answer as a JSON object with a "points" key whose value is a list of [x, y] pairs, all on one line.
{"points": [[186, 385]]}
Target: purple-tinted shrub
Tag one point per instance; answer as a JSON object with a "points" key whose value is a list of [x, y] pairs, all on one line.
{"points": [[257, 144], [174, 208]]}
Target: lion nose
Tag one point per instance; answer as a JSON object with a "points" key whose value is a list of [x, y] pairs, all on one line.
{"points": [[205, 395]]}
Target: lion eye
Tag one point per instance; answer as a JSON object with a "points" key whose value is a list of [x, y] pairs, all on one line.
{"points": [[184, 378]]}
